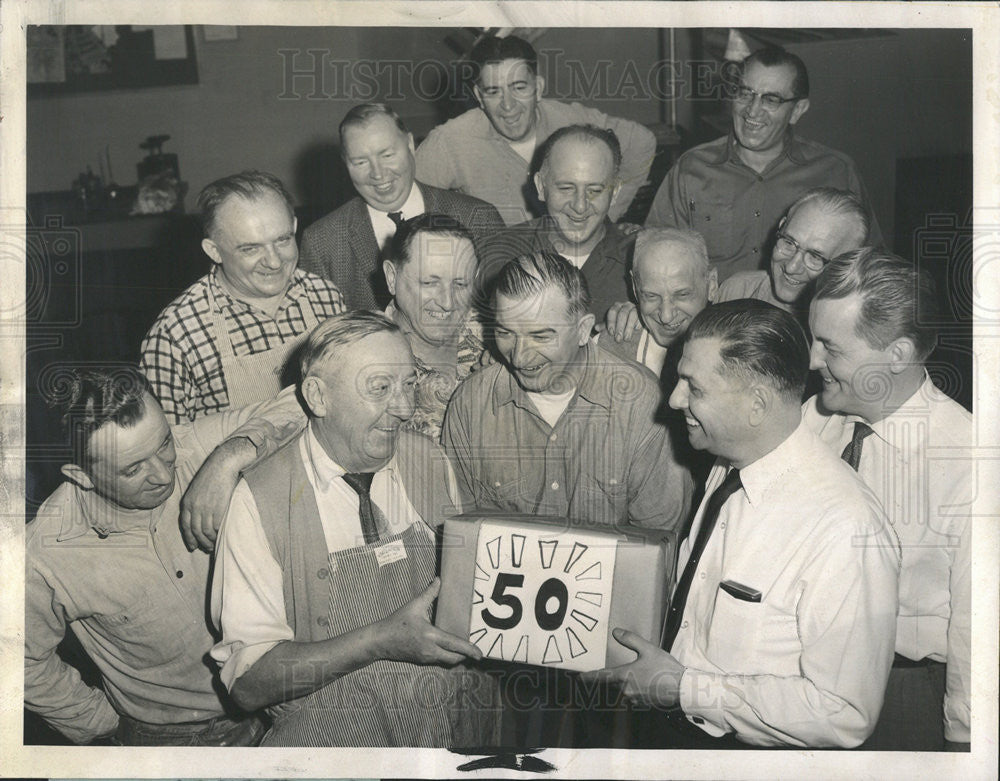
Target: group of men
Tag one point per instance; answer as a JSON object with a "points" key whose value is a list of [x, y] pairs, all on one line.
{"points": [[822, 596]]}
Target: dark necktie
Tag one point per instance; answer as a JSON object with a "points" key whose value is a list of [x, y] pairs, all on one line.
{"points": [[397, 218], [361, 482], [852, 453], [718, 498]]}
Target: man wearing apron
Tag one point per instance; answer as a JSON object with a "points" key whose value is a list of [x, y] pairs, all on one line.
{"points": [[324, 577], [225, 341]]}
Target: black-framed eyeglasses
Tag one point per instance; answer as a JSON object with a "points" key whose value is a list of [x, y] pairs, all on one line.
{"points": [[787, 247], [769, 100]]}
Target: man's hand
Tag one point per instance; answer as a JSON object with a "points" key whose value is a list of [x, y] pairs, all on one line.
{"points": [[408, 636], [622, 319], [653, 679], [206, 500]]}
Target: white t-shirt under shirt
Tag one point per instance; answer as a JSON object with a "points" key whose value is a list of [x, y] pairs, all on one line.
{"points": [[551, 406]]}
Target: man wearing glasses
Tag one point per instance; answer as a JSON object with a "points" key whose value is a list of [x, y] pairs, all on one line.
{"points": [[819, 226], [734, 190]]}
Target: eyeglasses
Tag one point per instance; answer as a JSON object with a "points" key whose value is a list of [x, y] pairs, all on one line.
{"points": [[769, 100], [788, 247]]}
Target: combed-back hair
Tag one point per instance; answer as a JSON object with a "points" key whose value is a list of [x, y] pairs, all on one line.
{"points": [[836, 203], [771, 56], [758, 342], [897, 299], [246, 184], [363, 113], [530, 274], [337, 332], [694, 242], [491, 50], [91, 398], [588, 133], [400, 247]]}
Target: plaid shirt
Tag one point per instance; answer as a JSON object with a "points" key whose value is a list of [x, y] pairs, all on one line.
{"points": [[181, 359]]}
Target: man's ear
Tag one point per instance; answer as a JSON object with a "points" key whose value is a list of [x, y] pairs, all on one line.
{"points": [[901, 354], [539, 86], [539, 186], [584, 328], [713, 285], [479, 96], [75, 474], [315, 394], [801, 107], [211, 250], [389, 269], [761, 401], [409, 143]]}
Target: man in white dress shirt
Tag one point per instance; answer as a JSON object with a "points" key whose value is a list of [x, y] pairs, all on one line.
{"points": [[781, 627], [872, 323]]}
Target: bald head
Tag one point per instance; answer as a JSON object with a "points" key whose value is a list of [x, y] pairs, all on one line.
{"points": [[671, 280]]}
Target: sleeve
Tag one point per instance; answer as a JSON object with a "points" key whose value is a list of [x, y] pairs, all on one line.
{"points": [[267, 424], [163, 364], [958, 684], [458, 446], [670, 209], [52, 688], [660, 490], [248, 601], [846, 623], [436, 163]]}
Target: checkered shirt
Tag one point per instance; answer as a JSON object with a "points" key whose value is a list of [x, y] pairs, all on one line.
{"points": [[181, 359]]}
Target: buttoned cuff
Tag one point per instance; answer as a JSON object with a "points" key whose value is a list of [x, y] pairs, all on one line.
{"points": [[702, 698]]}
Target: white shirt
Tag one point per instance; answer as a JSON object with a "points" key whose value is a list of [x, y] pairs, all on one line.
{"points": [[807, 664], [919, 464], [384, 227], [248, 602]]}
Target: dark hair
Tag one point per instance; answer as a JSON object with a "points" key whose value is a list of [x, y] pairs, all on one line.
{"points": [[363, 114], [770, 56], [759, 341], [492, 49], [897, 299], [246, 184], [836, 203], [339, 331], [588, 133], [90, 399], [399, 247], [530, 274]]}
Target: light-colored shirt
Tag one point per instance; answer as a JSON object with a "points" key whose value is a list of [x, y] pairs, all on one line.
{"points": [[133, 594], [248, 603], [468, 154], [807, 664], [606, 460], [919, 464], [752, 284], [382, 224]]}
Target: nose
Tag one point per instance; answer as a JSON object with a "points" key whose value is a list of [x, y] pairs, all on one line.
{"points": [[272, 259], [580, 201], [506, 102], [794, 264], [817, 359], [160, 472], [377, 171], [679, 396], [667, 310], [445, 298], [402, 403], [521, 353]]}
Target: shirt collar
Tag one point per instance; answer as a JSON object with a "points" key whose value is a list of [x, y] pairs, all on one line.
{"points": [[324, 469], [771, 468], [791, 148], [412, 206], [594, 386], [888, 430], [296, 290], [91, 512]]}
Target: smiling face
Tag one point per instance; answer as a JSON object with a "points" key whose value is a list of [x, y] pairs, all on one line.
{"points": [[433, 290], [508, 93], [812, 228], [854, 373], [671, 289], [715, 404], [380, 162], [540, 341], [360, 397], [759, 131], [577, 184], [253, 242], [133, 466]]}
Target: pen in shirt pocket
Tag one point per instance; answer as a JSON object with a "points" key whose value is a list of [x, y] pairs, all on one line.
{"points": [[691, 208]]}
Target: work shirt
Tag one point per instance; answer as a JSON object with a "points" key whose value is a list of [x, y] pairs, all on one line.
{"points": [[468, 154], [736, 209], [133, 594], [605, 461], [807, 664], [181, 356], [919, 464]]}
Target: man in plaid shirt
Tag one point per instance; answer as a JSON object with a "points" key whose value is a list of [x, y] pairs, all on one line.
{"points": [[224, 342]]}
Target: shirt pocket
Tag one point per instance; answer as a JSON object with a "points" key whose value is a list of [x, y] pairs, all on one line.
{"points": [[601, 499], [713, 219], [753, 637], [506, 490], [145, 634]]}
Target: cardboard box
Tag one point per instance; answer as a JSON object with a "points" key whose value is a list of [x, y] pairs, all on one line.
{"points": [[548, 591]]}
